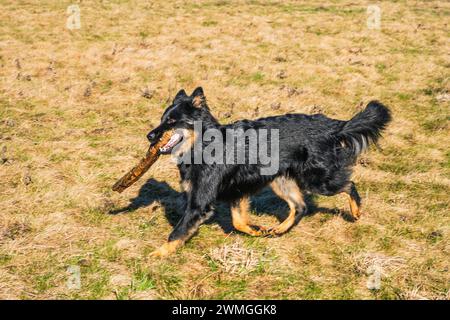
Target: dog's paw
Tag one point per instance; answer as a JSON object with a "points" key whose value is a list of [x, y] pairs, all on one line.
{"points": [[159, 253], [258, 231], [166, 249], [271, 234], [274, 232], [351, 216], [357, 215]]}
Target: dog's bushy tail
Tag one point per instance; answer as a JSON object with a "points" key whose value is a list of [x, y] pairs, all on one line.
{"points": [[365, 127]]}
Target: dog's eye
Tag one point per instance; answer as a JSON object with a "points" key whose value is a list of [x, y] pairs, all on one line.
{"points": [[171, 121]]}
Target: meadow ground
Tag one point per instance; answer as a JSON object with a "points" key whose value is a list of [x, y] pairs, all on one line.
{"points": [[76, 105]]}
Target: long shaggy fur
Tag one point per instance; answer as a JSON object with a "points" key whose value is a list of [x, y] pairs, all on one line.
{"points": [[365, 127], [316, 154]]}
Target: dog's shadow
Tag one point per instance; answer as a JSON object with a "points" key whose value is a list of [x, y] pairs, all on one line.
{"points": [[152, 192], [265, 203]]}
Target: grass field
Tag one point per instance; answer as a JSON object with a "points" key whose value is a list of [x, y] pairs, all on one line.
{"points": [[76, 105]]}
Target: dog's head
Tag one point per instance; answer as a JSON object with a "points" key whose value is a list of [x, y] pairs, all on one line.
{"points": [[179, 117]]}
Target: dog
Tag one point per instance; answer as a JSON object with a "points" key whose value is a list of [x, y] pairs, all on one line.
{"points": [[315, 155]]}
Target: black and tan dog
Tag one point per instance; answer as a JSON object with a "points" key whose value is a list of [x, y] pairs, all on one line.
{"points": [[315, 153]]}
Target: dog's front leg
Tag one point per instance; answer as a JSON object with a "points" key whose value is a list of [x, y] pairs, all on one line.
{"points": [[200, 194], [187, 226], [198, 210]]}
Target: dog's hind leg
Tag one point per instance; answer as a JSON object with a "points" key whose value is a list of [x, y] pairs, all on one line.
{"points": [[241, 219], [288, 190], [354, 200]]}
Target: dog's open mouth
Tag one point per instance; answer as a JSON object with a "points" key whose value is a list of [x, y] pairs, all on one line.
{"points": [[174, 140]]}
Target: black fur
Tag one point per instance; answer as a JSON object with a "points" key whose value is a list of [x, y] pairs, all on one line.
{"points": [[314, 150]]}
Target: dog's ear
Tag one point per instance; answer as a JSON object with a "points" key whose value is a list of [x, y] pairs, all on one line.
{"points": [[198, 98], [180, 94]]}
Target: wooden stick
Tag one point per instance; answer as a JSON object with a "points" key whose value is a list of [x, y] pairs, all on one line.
{"points": [[142, 167]]}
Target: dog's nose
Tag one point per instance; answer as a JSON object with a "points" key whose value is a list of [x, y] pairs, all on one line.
{"points": [[151, 136]]}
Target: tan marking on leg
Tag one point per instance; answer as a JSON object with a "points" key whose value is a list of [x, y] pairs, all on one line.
{"points": [[288, 190], [354, 200], [244, 208], [241, 221], [287, 223], [354, 208]]}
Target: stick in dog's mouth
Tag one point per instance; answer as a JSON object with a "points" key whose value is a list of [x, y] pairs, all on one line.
{"points": [[142, 167]]}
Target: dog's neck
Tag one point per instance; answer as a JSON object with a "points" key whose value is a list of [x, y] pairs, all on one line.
{"points": [[208, 120]]}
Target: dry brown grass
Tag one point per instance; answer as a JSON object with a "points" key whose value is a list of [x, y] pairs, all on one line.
{"points": [[75, 107], [236, 258]]}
